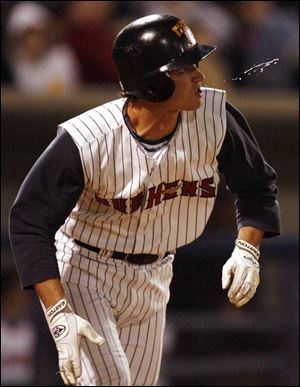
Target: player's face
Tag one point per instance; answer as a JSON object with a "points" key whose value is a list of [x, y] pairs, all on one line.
{"points": [[187, 93]]}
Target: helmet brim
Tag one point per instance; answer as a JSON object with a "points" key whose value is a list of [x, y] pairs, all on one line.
{"points": [[194, 55]]}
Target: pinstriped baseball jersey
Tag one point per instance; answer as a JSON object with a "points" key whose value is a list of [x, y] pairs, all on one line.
{"points": [[136, 203]]}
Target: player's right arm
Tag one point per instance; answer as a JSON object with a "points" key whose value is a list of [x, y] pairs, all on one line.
{"points": [[46, 197]]}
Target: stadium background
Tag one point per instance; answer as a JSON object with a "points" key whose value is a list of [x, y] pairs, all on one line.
{"points": [[208, 341]]}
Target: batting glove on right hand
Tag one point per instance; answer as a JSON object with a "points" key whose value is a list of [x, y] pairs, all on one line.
{"points": [[241, 271], [67, 330]]}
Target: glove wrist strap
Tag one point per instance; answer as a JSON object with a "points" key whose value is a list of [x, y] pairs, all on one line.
{"points": [[60, 306], [243, 245]]}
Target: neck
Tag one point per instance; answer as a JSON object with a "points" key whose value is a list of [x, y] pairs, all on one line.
{"points": [[151, 121]]}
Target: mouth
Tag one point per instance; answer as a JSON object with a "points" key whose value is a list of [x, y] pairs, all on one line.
{"points": [[198, 91]]}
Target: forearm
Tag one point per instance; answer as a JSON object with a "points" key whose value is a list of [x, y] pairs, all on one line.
{"points": [[67, 329], [50, 292], [251, 235]]}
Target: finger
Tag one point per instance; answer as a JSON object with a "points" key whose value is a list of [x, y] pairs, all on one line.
{"points": [[67, 372], [236, 284], [63, 376], [69, 375], [234, 288], [241, 295], [242, 302], [247, 298], [251, 281], [92, 335], [244, 290], [253, 277], [251, 292], [237, 298], [77, 368], [226, 276]]}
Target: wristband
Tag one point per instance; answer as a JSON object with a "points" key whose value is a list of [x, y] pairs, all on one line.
{"points": [[56, 308], [248, 248]]}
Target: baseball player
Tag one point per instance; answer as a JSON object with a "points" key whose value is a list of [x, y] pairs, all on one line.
{"points": [[124, 185]]}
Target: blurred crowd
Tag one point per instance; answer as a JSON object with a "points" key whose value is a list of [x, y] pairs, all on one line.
{"points": [[58, 47]]}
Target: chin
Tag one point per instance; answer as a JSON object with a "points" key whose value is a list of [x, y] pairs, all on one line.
{"points": [[193, 105]]}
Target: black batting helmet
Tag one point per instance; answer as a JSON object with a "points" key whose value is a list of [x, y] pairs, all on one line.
{"points": [[146, 49]]}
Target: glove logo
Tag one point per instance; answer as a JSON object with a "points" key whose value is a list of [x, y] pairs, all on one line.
{"points": [[252, 260], [58, 331]]}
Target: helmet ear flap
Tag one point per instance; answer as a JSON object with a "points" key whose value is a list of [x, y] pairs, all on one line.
{"points": [[158, 88]]}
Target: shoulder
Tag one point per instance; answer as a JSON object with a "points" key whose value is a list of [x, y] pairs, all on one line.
{"points": [[95, 123], [234, 114], [237, 122], [210, 93], [213, 102]]}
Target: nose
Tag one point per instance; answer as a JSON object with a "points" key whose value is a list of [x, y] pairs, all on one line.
{"points": [[198, 75]]}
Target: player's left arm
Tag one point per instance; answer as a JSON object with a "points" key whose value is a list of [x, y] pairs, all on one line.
{"points": [[254, 182]]}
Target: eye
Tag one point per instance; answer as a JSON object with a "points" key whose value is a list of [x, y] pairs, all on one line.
{"points": [[181, 71], [185, 69]]}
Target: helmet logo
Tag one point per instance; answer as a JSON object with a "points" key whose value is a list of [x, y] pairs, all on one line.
{"points": [[181, 29]]}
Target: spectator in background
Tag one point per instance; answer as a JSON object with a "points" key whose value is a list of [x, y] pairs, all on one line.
{"points": [[18, 336], [213, 16], [266, 32], [6, 74], [28, 355], [39, 65], [90, 32], [210, 23]]}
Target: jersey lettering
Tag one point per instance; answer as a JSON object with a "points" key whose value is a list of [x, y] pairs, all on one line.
{"points": [[154, 195], [207, 190], [163, 192]]}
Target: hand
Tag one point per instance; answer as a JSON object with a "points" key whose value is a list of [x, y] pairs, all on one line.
{"points": [[67, 329], [241, 271]]}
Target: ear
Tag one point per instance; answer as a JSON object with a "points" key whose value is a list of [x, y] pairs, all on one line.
{"points": [[158, 88]]}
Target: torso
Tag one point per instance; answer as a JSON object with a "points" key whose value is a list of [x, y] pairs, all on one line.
{"points": [[137, 203]]}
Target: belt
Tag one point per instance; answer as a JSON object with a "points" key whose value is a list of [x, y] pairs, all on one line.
{"points": [[137, 259]]}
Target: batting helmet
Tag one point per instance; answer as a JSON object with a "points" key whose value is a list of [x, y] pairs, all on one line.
{"points": [[146, 49]]}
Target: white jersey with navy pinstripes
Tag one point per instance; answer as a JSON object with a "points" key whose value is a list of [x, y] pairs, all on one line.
{"points": [[134, 202]]}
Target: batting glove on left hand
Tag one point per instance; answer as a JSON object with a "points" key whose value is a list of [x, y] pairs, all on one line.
{"points": [[241, 271], [67, 330]]}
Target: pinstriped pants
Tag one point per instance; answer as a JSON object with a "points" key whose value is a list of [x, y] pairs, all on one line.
{"points": [[126, 304]]}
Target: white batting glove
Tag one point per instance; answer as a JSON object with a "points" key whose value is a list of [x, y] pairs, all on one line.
{"points": [[241, 271], [67, 329]]}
